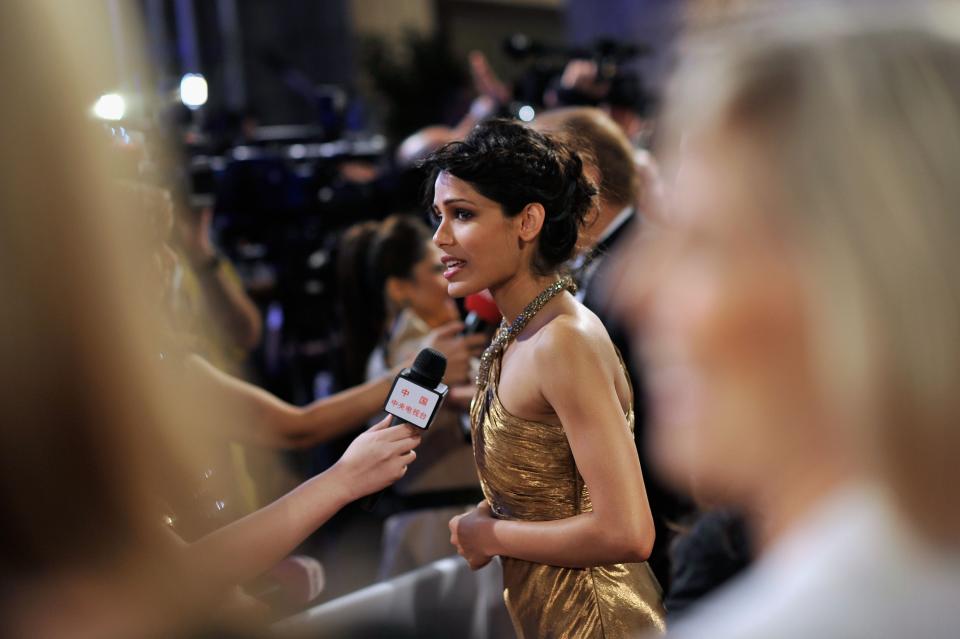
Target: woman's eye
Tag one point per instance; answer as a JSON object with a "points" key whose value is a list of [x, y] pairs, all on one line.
{"points": [[463, 214]]}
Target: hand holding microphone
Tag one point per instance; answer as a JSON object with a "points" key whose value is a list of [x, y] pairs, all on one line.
{"points": [[415, 399], [378, 458]]}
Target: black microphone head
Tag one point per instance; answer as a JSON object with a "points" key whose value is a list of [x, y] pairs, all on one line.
{"points": [[430, 365]]}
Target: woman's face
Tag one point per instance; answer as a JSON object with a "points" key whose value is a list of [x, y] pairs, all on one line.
{"points": [[718, 309], [480, 246], [427, 290]]}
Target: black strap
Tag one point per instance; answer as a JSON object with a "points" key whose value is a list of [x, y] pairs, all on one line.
{"points": [[395, 503]]}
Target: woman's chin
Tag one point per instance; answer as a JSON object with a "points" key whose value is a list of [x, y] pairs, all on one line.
{"points": [[462, 289]]}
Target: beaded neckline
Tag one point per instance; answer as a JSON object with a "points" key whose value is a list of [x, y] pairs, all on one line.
{"points": [[507, 333]]}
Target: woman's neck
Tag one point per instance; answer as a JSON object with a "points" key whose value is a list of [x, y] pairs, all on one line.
{"points": [[513, 295]]}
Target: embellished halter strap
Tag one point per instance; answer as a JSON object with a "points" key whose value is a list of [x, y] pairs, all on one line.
{"points": [[507, 333]]}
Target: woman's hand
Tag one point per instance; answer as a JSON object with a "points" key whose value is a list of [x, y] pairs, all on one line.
{"points": [[457, 348], [377, 458], [468, 531]]}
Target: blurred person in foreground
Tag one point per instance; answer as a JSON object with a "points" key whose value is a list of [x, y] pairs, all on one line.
{"points": [[98, 427], [801, 323]]}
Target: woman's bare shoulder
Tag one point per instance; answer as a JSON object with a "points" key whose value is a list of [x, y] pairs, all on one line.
{"points": [[576, 335]]}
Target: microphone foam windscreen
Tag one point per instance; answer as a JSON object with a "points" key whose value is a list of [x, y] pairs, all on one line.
{"points": [[431, 365]]}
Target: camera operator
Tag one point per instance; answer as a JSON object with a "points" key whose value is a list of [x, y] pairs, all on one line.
{"points": [[610, 87]]}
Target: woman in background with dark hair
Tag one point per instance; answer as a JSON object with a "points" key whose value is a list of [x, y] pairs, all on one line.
{"points": [[393, 295], [390, 278], [565, 503]]}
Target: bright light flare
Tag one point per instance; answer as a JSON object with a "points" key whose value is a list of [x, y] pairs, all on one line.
{"points": [[193, 90], [110, 106]]}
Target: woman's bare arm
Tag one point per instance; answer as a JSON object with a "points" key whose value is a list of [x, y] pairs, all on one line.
{"points": [[579, 384], [267, 420], [248, 547]]}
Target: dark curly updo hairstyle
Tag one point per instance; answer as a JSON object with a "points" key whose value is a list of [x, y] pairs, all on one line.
{"points": [[514, 166]]}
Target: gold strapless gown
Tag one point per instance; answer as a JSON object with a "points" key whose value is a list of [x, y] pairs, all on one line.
{"points": [[527, 473]]}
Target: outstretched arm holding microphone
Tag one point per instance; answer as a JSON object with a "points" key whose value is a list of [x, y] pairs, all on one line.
{"points": [[269, 421], [380, 456], [249, 546]]}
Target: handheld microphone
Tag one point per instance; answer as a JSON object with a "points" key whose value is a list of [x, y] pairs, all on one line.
{"points": [[483, 312], [415, 398]]}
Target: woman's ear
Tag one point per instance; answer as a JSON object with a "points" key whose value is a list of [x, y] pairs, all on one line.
{"points": [[531, 221]]}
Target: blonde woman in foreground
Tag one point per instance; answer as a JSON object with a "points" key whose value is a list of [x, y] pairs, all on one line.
{"points": [[802, 321], [97, 426]]}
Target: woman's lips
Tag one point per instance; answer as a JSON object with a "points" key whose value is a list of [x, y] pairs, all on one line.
{"points": [[454, 266]]}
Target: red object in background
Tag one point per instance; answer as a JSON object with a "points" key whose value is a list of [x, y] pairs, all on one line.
{"points": [[485, 308]]}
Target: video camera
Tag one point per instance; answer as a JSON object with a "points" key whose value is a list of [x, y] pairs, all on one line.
{"points": [[546, 63]]}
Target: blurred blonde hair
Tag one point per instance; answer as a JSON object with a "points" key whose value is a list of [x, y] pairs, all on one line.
{"points": [[705, 14], [858, 114], [94, 431]]}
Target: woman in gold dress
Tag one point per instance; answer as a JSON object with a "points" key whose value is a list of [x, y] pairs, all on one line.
{"points": [[565, 504]]}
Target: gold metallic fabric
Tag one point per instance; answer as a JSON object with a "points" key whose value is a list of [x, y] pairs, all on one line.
{"points": [[528, 473]]}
